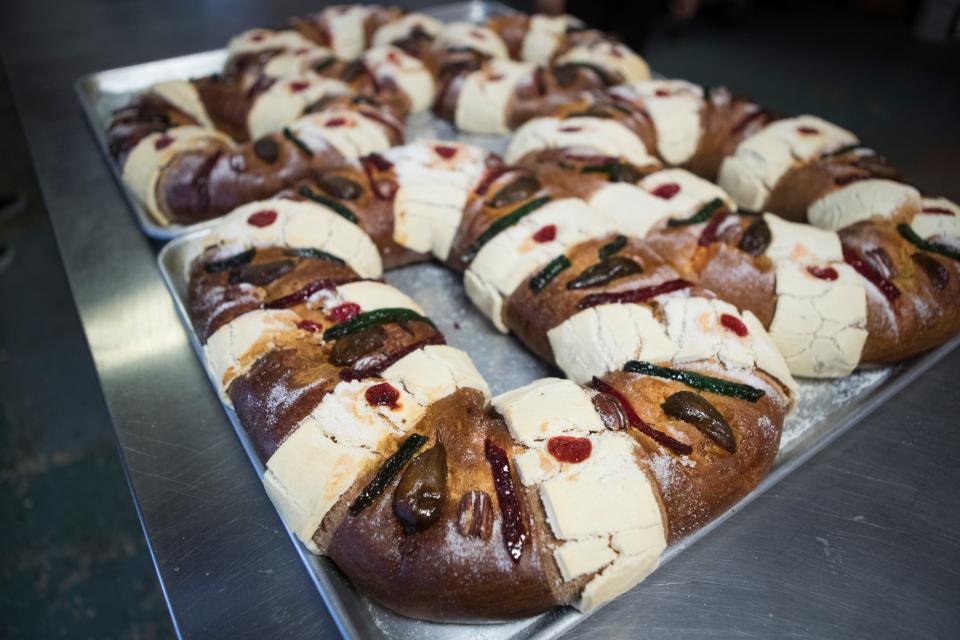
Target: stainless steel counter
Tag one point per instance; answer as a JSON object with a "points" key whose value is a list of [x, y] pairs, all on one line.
{"points": [[863, 541]]}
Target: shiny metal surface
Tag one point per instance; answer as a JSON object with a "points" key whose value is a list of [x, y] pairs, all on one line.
{"points": [[861, 542]]}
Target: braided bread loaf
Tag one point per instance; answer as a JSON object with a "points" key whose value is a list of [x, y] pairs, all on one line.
{"points": [[679, 310], [384, 450]]}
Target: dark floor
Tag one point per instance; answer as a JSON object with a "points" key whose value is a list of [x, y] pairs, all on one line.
{"points": [[74, 562]]}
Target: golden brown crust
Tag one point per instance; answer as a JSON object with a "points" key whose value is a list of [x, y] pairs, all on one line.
{"points": [[441, 574], [727, 121], [710, 479], [927, 311], [801, 186], [531, 314]]}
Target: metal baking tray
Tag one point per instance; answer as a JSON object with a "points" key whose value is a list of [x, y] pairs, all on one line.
{"points": [[825, 409], [103, 92]]}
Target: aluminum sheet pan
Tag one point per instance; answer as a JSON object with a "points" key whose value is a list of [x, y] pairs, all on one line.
{"points": [[103, 92], [825, 409]]}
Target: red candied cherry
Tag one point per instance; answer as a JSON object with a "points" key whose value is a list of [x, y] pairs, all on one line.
{"points": [[335, 122], [163, 142], [393, 57], [298, 85], [445, 152], [570, 129], [382, 395], [937, 211], [546, 233], [495, 77], [263, 218], [569, 449], [309, 325], [823, 273], [662, 93], [666, 191], [344, 312], [808, 131], [734, 324]]}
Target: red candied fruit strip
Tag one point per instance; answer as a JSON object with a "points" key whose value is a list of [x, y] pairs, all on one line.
{"points": [[745, 122], [344, 312], [163, 142], [301, 295], [309, 325], [335, 122], [514, 531], [263, 218], [546, 233], [666, 191], [823, 273], [569, 449], [378, 161], [842, 181], [301, 51], [709, 234], [445, 152], [383, 189], [570, 129], [865, 269], [490, 178], [937, 211], [386, 363], [734, 324], [298, 85], [636, 422], [382, 395], [662, 93], [257, 37], [808, 131], [633, 295]]}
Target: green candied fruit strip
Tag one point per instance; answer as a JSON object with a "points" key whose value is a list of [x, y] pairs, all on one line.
{"points": [[704, 214], [387, 472], [236, 260], [933, 247], [612, 247], [317, 254], [371, 319], [697, 381], [499, 225], [330, 203], [292, 137], [549, 272]]}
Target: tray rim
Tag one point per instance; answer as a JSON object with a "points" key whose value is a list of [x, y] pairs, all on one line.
{"points": [[558, 620]]}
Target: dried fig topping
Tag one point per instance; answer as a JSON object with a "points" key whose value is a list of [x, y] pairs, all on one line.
{"points": [[608, 270], [694, 409], [348, 349], [419, 496], [520, 189], [339, 187], [938, 274], [611, 413], [475, 519], [755, 239], [260, 275], [266, 149]]}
